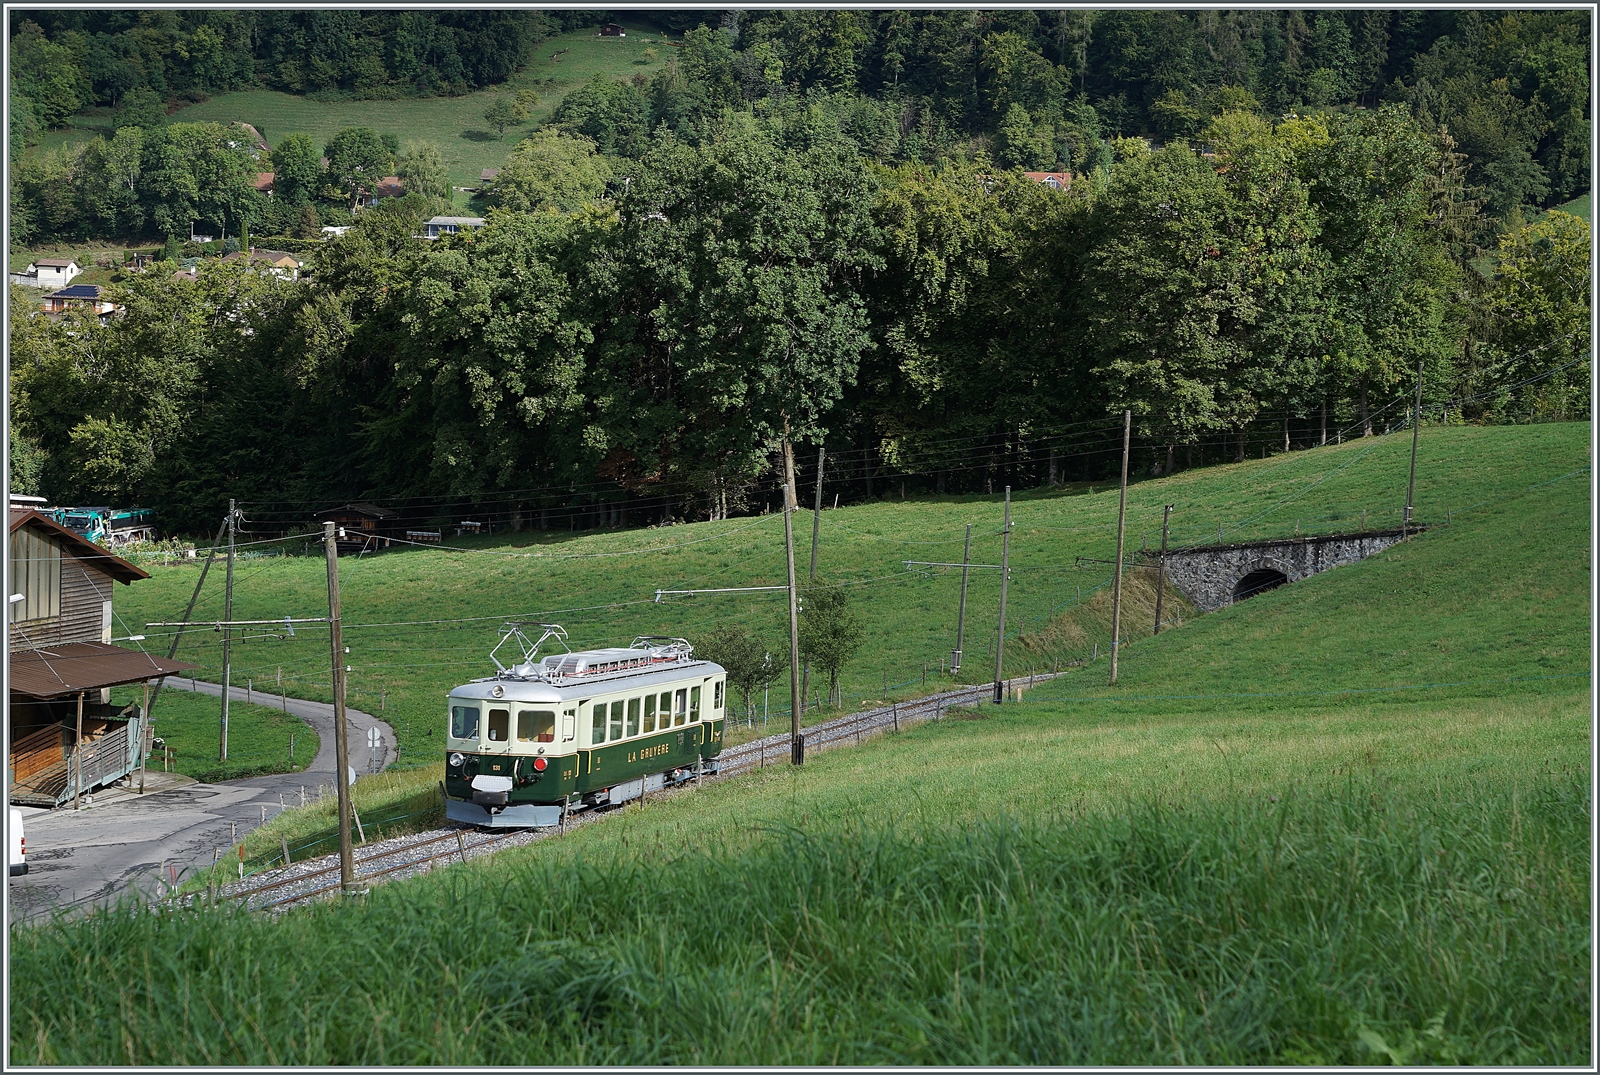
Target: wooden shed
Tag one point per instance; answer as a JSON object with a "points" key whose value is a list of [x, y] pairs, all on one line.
{"points": [[367, 527], [66, 737]]}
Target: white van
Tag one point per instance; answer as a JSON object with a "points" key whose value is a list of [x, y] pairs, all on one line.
{"points": [[19, 845]]}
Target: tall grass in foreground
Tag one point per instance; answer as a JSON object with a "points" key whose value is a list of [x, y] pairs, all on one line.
{"points": [[1352, 922]]}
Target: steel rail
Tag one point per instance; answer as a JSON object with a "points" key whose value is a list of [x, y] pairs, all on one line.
{"points": [[247, 893], [849, 727], [298, 896]]}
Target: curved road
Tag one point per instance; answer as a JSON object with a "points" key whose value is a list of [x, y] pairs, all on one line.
{"points": [[79, 858]]}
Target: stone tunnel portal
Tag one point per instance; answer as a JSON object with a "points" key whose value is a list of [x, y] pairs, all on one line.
{"points": [[1258, 581]]}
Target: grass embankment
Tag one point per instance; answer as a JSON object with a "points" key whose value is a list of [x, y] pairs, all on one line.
{"points": [[1249, 873], [1037, 887], [386, 804], [261, 739], [456, 124]]}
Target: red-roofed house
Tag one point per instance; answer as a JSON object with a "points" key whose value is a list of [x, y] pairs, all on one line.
{"points": [[264, 182], [1053, 180], [388, 187]]}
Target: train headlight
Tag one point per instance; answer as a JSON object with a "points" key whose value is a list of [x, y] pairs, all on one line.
{"points": [[539, 765], [456, 759]]}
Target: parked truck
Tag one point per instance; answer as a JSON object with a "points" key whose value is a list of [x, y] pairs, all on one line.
{"points": [[109, 526]]}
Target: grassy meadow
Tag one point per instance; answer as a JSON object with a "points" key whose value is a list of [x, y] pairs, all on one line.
{"points": [[456, 124], [259, 736], [1346, 821], [1579, 206], [420, 621]]}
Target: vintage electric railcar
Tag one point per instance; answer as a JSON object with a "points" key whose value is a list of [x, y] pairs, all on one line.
{"points": [[578, 730]]}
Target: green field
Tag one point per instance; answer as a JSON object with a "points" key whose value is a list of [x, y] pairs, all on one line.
{"points": [[1578, 206], [85, 253], [456, 124], [1343, 822], [420, 621], [259, 736]]}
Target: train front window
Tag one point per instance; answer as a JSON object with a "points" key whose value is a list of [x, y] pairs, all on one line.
{"points": [[680, 713], [633, 716], [536, 726], [499, 725], [649, 713], [616, 720], [464, 721], [694, 704]]}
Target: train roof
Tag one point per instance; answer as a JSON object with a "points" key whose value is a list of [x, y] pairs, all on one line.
{"points": [[582, 673]]}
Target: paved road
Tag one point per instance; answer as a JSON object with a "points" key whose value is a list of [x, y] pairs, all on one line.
{"points": [[79, 858]]}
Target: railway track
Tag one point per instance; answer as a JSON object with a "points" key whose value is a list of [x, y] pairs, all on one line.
{"points": [[407, 856], [852, 728]]}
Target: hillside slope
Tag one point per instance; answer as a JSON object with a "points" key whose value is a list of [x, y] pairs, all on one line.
{"points": [[421, 620], [1229, 858]]}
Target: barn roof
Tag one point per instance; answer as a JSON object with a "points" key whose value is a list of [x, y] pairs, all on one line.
{"points": [[358, 508], [70, 667]]}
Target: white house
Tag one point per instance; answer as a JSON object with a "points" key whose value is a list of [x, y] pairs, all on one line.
{"points": [[48, 272]]}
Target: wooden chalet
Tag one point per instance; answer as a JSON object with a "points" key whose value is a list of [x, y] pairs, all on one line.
{"points": [[367, 527], [65, 736]]}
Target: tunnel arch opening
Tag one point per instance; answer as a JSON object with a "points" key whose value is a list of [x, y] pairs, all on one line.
{"points": [[1258, 581]]}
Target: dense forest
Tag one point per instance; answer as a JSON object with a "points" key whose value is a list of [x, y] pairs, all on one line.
{"points": [[817, 222]]}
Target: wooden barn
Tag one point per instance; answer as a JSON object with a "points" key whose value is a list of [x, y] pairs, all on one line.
{"points": [[66, 737], [367, 527]]}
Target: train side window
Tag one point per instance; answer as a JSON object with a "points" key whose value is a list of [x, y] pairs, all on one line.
{"points": [[633, 716], [694, 704], [716, 695], [536, 725], [649, 713], [569, 725], [680, 712], [665, 709], [464, 721], [597, 734], [616, 720], [499, 725]]}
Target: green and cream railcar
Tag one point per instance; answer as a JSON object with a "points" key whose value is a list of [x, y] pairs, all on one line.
{"points": [[580, 730]]}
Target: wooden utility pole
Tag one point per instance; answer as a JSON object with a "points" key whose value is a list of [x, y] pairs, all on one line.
{"points": [[790, 502], [1416, 426], [816, 530], [1005, 577], [77, 756], [1161, 570], [816, 513], [961, 614], [341, 737], [1122, 517], [227, 635], [144, 733]]}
